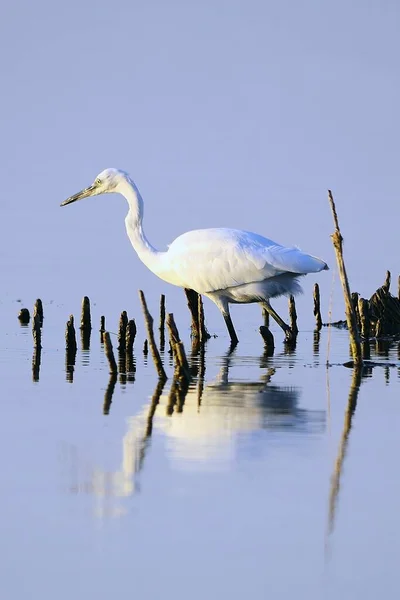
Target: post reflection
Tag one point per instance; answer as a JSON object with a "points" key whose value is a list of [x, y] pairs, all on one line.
{"points": [[202, 423]]}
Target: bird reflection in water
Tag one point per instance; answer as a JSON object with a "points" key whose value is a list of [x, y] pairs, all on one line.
{"points": [[203, 424]]}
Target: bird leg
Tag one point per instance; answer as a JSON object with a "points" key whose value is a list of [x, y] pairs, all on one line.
{"points": [[288, 332], [231, 329]]}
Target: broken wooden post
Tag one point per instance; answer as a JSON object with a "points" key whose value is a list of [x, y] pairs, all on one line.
{"points": [[38, 310], [130, 338], [386, 285], [123, 322], [130, 335], [36, 330], [150, 334], [162, 322], [317, 307], [181, 363], [70, 349], [102, 327], [354, 300], [350, 315], [24, 316], [293, 316], [193, 304], [86, 323], [70, 336], [145, 347], [363, 311], [108, 348]]}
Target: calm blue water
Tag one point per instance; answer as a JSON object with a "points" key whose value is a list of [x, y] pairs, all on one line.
{"points": [[256, 483]]}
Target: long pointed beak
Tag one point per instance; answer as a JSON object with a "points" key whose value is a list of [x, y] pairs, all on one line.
{"points": [[80, 195]]}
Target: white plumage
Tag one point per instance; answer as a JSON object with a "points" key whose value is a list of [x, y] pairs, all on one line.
{"points": [[226, 265]]}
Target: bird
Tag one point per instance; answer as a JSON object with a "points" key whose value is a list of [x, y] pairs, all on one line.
{"points": [[225, 265]]}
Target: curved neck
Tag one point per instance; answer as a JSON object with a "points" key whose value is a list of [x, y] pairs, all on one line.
{"points": [[133, 222]]}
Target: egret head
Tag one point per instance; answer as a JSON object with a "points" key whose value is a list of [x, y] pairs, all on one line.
{"points": [[107, 181]]}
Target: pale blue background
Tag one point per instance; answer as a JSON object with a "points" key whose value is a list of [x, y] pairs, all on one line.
{"points": [[225, 113]]}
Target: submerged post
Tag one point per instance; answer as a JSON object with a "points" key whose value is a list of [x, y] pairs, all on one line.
{"points": [[337, 240], [24, 316]]}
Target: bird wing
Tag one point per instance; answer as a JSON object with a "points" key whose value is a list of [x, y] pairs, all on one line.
{"points": [[208, 260]]}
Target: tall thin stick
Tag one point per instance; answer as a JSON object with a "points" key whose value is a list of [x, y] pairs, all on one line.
{"points": [[337, 240], [162, 322], [109, 352], [317, 307], [293, 316], [150, 334], [178, 349]]}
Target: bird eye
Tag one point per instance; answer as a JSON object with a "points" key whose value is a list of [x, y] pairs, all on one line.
{"points": [[98, 181]]}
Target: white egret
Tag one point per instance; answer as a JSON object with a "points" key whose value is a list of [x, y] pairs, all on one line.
{"points": [[226, 265]]}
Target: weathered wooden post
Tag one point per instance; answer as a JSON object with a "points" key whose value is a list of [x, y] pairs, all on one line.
{"points": [[350, 315], [317, 307], [150, 334]]}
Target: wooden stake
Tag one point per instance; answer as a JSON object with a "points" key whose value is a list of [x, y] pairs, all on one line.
{"points": [[123, 322], [350, 316], [293, 316], [86, 321], [317, 307], [162, 322], [70, 336], [36, 331], [150, 334], [38, 310], [130, 335], [108, 348], [102, 327], [193, 304], [24, 316], [363, 311], [386, 285], [178, 349]]}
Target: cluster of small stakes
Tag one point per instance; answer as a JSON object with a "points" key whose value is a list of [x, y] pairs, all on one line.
{"points": [[377, 318]]}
